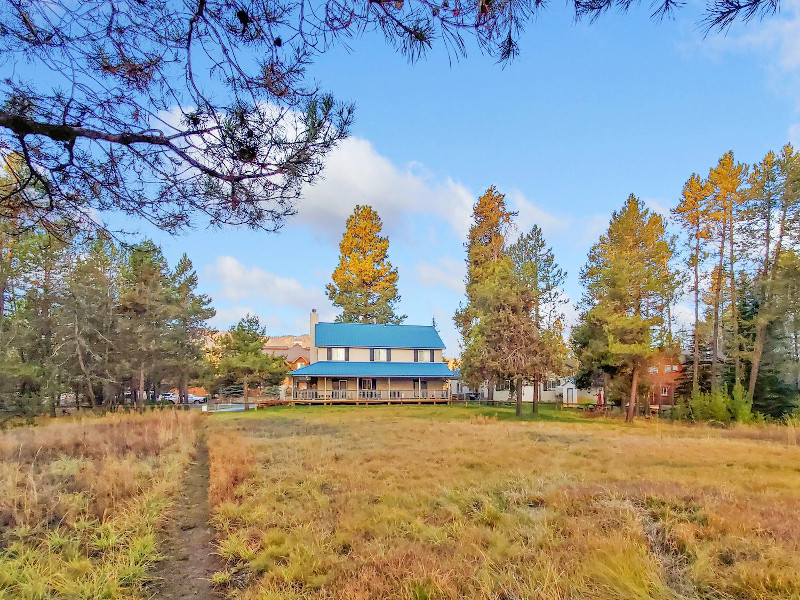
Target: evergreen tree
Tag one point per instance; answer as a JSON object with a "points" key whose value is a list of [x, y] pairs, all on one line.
{"points": [[488, 272], [692, 216], [364, 283], [536, 271], [89, 322], [144, 308], [772, 214], [190, 311], [727, 181], [624, 295], [243, 358]]}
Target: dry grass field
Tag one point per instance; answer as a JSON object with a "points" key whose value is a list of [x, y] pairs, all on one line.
{"points": [[449, 502], [82, 502]]}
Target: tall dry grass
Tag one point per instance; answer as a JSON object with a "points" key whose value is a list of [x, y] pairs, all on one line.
{"points": [[382, 504], [81, 502]]}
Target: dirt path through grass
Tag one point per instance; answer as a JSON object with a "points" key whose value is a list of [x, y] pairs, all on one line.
{"points": [[188, 549]]}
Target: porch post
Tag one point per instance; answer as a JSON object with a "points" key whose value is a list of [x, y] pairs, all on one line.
{"points": [[389, 393], [325, 386], [419, 387]]}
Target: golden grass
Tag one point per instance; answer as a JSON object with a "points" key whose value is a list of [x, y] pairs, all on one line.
{"points": [[422, 503], [81, 503]]}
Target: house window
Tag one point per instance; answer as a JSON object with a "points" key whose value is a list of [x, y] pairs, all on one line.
{"points": [[423, 356], [550, 385], [652, 370], [665, 390], [380, 355], [503, 385], [337, 353], [675, 368], [667, 368]]}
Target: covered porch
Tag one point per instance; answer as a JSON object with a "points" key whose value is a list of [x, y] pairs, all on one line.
{"points": [[358, 390]]}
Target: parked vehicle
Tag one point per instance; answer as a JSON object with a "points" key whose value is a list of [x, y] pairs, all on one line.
{"points": [[194, 399]]}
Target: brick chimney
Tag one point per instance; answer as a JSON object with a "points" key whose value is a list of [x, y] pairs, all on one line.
{"points": [[314, 319]]}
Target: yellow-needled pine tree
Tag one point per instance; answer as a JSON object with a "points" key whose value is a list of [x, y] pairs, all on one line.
{"points": [[624, 298], [692, 216], [728, 194], [364, 283]]}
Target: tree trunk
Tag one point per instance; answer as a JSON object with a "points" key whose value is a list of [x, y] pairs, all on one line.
{"points": [[519, 397], [246, 397], [737, 362], [184, 391], [140, 391], [535, 402], [696, 343], [717, 293], [490, 395], [634, 395]]}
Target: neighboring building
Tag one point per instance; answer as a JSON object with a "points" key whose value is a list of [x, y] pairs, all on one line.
{"points": [[296, 356], [554, 390], [365, 362], [663, 372]]}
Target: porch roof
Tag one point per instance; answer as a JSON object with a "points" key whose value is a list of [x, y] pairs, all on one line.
{"points": [[326, 368]]}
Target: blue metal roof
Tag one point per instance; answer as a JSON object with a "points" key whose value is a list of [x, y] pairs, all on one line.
{"points": [[330, 368], [365, 335]]}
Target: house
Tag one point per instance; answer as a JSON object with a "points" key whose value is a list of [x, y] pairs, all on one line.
{"points": [[663, 374], [553, 389], [355, 362], [296, 355]]}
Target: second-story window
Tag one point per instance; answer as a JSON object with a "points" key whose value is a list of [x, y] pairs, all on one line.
{"points": [[337, 354], [423, 356], [380, 355]]}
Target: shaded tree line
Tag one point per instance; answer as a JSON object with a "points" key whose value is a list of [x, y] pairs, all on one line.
{"points": [[87, 316], [734, 260], [740, 232]]}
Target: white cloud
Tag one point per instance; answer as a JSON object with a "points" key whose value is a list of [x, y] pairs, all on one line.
{"points": [[230, 315], [236, 282], [657, 206], [355, 173], [530, 215], [446, 272], [776, 38], [779, 36]]}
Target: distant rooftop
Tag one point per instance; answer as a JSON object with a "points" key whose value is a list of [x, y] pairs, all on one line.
{"points": [[364, 335]]}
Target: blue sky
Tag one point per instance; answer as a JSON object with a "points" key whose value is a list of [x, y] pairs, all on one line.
{"points": [[585, 116]]}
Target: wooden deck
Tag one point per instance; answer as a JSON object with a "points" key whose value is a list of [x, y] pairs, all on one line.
{"points": [[363, 401]]}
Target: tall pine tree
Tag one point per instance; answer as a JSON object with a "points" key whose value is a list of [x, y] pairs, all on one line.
{"points": [[624, 295], [364, 283]]}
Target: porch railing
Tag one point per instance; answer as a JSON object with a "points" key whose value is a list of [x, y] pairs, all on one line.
{"points": [[353, 395]]}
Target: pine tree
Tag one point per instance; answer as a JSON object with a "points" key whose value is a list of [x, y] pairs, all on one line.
{"points": [[89, 322], [772, 210], [624, 294], [243, 358], [486, 263], [536, 270], [692, 216], [189, 313], [727, 181], [364, 283], [144, 310]]}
